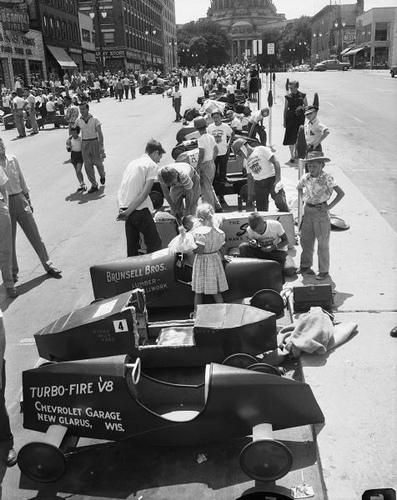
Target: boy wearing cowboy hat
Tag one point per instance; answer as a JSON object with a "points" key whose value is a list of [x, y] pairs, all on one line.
{"points": [[316, 187]]}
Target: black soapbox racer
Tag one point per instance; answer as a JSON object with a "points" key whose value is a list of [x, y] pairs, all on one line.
{"points": [[110, 399], [222, 333], [166, 280]]}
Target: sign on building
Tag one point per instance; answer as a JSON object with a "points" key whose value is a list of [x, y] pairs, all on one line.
{"points": [[14, 19], [271, 49], [349, 36]]}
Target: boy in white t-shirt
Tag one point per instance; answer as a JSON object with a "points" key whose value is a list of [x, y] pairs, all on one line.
{"points": [[222, 134], [264, 168], [266, 240]]}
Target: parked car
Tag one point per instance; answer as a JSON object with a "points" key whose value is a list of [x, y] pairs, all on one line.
{"points": [[393, 71], [332, 64]]}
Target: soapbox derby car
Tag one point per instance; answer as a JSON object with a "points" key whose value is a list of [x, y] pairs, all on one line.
{"points": [[222, 333], [110, 399], [166, 279]]}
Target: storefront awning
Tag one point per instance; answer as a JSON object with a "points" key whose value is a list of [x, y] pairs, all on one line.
{"points": [[355, 51], [345, 51], [60, 55], [89, 57]]}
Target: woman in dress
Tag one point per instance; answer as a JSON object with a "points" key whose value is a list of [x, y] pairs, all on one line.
{"points": [[294, 116], [209, 276]]}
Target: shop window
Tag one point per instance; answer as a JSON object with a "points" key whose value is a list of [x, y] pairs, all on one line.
{"points": [[58, 28], [108, 37], [85, 35], [64, 30], [381, 30]]}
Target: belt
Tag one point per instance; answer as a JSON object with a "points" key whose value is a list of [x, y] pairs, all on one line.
{"points": [[316, 204], [209, 253], [15, 194], [94, 139]]}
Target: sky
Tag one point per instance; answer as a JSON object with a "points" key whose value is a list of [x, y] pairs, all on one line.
{"points": [[191, 10]]}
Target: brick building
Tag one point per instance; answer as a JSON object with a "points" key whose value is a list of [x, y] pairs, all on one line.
{"points": [[376, 39], [59, 23], [334, 30], [21, 48], [130, 33]]}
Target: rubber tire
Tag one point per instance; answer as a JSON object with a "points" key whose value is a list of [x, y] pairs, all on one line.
{"points": [[264, 368], [240, 360], [52, 458], [345, 68], [281, 451]]}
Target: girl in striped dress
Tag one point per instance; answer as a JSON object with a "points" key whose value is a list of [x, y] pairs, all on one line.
{"points": [[209, 276]]}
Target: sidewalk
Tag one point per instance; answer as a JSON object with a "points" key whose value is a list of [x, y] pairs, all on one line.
{"points": [[355, 384]]}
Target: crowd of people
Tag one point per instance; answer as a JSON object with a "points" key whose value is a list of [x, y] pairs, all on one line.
{"points": [[187, 183]]}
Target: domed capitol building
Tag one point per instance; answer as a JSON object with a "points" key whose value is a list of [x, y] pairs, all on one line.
{"points": [[245, 21]]}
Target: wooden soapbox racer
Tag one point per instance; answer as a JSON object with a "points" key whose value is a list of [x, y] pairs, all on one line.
{"points": [[220, 333], [166, 279], [110, 399]]}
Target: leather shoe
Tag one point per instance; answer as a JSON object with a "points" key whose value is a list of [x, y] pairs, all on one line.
{"points": [[12, 292], [53, 271], [11, 458], [93, 189]]}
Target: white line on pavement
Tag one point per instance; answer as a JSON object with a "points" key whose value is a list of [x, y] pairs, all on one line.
{"points": [[330, 103], [358, 119]]}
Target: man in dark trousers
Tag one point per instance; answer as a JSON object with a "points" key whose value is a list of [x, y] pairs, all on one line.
{"points": [[177, 102], [6, 437], [135, 204]]}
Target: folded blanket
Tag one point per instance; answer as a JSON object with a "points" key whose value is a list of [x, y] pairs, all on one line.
{"points": [[312, 333]]}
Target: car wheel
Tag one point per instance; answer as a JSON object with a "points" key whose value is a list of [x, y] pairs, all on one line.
{"points": [[265, 368], [42, 462], [345, 68], [240, 360], [392, 73], [266, 460]]}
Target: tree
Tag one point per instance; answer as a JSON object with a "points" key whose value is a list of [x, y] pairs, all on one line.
{"points": [[202, 42]]}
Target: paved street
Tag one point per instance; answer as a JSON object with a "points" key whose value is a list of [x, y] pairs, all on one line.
{"points": [[80, 230]]}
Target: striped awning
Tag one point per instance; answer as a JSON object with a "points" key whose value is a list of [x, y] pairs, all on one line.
{"points": [[61, 56]]}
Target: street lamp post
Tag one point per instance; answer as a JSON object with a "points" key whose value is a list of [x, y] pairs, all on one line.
{"points": [[152, 33], [98, 14], [339, 26]]}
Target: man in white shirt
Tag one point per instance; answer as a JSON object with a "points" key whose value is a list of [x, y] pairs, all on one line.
{"points": [[177, 102], [135, 205], [264, 168], [126, 84], [208, 151], [222, 134], [19, 104], [6, 238], [31, 100], [255, 125], [92, 146]]}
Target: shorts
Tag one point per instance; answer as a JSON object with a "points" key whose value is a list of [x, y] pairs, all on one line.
{"points": [[76, 157]]}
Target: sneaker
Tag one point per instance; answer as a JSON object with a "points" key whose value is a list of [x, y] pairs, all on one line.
{"points": [[93, 189], [11, 458], [53, 271], [305, 270], [322, 276], [103, 180], [12, 292]]}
